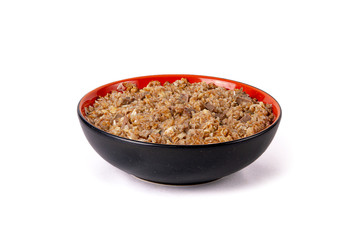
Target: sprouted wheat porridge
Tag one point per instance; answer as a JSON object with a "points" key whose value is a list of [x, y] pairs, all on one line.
{"points": [[179, 113]]}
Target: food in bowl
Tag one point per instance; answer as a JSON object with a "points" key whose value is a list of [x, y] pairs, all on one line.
{"points": [[179, 113], [172, 163]]}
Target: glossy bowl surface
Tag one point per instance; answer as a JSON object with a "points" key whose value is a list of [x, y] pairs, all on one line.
{"points": [[178, 164]]}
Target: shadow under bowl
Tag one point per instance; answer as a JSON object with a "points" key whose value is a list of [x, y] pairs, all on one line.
{"points": [[178, 164]]}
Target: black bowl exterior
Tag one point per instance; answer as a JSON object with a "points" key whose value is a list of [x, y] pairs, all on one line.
{"points": [[178, 164]]}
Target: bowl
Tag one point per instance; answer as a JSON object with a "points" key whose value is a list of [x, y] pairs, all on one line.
{"points": [[178, 164]]}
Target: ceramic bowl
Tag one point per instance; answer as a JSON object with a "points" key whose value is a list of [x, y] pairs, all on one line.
{"points": [[178, 164]]}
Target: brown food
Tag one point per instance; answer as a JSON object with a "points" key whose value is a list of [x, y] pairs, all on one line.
{"points": [[179, 113]]}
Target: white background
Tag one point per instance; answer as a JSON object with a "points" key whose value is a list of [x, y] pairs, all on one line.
{"points": [[304, 53]]}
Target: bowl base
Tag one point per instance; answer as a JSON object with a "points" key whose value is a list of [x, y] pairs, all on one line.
{"points": [[176, 184]]}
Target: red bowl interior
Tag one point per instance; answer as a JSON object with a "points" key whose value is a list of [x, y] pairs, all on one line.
{"points": [[141, 82]]}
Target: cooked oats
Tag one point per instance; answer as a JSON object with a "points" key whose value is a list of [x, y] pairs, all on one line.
{"points": [[180, 113]]}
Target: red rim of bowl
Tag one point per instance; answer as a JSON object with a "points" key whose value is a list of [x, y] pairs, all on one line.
{"points": [[142, 81]]}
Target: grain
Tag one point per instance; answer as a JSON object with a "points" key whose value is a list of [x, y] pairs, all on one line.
{"points": [[180, 113]]}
